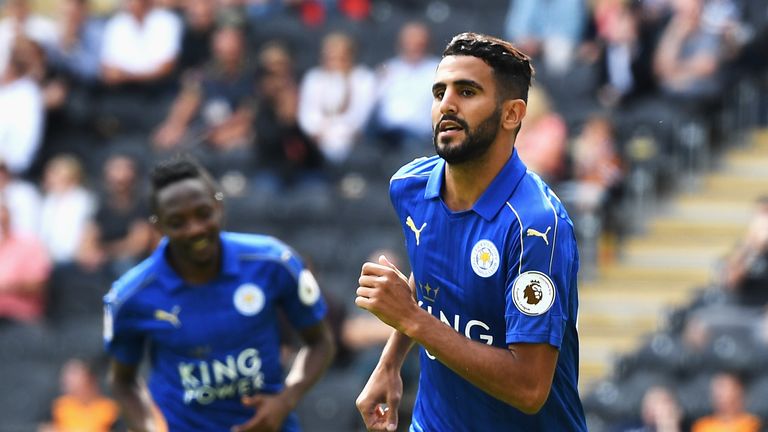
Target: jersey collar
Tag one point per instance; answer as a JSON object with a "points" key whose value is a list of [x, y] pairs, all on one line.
{"points": [[495, 195], [171, 280]]}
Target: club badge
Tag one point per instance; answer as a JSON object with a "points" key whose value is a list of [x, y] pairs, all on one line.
{"points": [[249, 299], [485, 258]]}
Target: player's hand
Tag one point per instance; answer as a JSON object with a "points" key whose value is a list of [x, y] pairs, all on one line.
{"points": [[271, 411], [380, 399], [384, 291]]}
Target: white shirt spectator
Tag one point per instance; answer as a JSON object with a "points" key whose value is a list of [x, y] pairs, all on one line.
{"points": [[21, 123], [141, 47], [334, 107], [405, 101], [24, 203], [63, 221]]}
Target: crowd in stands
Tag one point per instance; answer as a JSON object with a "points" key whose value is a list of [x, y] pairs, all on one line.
{"points": [[717, 345], [303, 109]]}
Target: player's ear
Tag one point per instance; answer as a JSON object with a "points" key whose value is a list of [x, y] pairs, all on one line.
{"points": [[512, 113]]}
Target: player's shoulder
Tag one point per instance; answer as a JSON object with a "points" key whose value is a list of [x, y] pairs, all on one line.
{"points": [[259, 248], [247, 244], [535, 204], [419, 168], [413, 175], [131, 282], [411, 180]]}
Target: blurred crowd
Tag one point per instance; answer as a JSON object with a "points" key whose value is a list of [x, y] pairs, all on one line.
{"points": [[300, 99], [704, 370]]}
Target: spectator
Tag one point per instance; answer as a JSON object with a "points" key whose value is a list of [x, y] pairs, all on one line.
{"points": [[724, 18], [687, 60], [141, 44], [595, 160], [746, 268], [19, 21], [542, 140], [67, 207], [283, 149], [119, 233], [403, 106], [625, 64], [335, 98], [21, 109], [24, 272], [23, 201], [81, 407], [660, 412], [214, 107], [313, 13], [262, 10], [550, 31], [727, 393], [69, 75], [597, 184], [199, 26], [75, 52]]}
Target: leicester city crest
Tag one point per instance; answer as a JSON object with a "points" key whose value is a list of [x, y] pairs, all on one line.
{"points": [[249, 299], [484, 258]]}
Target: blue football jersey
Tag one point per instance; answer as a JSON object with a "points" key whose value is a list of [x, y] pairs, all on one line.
{"points": [[208, 345], [503, 272]]}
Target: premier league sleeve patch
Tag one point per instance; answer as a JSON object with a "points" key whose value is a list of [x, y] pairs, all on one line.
{"points": [[309, 291], [533, 293]]}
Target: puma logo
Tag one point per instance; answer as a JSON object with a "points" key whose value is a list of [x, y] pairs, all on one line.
{"points": [[533, 232], [412, 226], [171, 317]]}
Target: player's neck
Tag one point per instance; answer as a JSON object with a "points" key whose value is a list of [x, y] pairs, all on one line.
{"points": [[193, 272], [465, 183]]}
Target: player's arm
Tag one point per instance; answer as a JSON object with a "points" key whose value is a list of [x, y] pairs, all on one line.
{"points": [[385, 385], [131, 393], [310, 363], [398, 345], [520, 375]]}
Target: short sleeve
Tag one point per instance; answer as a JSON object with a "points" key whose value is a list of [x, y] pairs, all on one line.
{"points": [[540, 277], [301, 298], [122, 340]]}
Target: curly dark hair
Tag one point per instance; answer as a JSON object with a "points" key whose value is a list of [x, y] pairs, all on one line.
{"points": [[511, 68], [174, 170]]}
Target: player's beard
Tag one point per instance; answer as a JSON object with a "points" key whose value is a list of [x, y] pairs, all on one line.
{"points": [[476, 142]]}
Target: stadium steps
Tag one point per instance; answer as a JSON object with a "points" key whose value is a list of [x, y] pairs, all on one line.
{"points": [[678, 253]]}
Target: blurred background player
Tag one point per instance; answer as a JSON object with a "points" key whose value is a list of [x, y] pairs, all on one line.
{"points": [[207, 304]]}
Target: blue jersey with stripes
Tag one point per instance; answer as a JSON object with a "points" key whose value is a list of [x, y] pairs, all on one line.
{"points": [[503, 272], [210, 344]]}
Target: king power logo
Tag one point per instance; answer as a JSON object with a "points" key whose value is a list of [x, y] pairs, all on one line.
{"points": [[472, 329], [234, 376]]}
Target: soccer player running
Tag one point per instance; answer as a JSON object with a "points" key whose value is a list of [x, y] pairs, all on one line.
{"points": [[205, 307], [492, 295]]}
